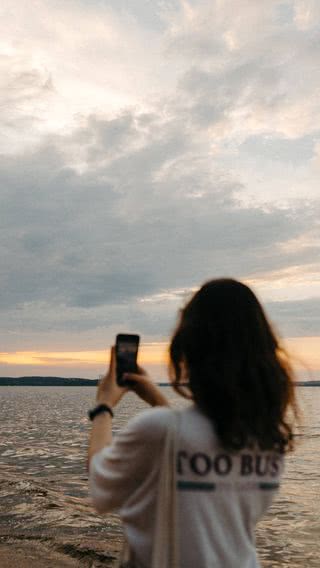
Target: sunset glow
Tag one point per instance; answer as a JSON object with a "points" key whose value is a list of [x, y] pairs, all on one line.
{"points": [[304, 351], [152, 354]]}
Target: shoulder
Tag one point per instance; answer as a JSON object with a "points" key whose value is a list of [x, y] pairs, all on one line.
{"points": [[151, 424], [156, 418]]}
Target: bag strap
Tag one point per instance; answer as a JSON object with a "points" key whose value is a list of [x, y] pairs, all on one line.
{"points": [[165, 538]]}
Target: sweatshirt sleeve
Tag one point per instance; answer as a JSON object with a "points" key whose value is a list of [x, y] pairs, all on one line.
{"points": [[119, 469]]}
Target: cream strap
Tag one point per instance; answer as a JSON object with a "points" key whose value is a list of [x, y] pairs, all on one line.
{"points": [[165, 539], [165, 553]]}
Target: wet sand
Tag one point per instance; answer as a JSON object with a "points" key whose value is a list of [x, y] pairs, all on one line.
{"points": [[40, 526]]}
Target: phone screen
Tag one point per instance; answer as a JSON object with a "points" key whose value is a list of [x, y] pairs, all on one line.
{"points": [[126, 355]]}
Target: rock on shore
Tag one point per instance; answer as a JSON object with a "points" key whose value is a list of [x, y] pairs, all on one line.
{"points": [[40, 526]]}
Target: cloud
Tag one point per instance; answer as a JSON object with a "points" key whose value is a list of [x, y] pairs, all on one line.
{"points": [[298, 318], [153, 158], [306, 14], [84, 248], [253, 88], [26, 91], [98, 56]]}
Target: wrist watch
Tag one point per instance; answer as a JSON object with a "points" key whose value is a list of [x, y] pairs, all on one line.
{"points": [[98, 410]]}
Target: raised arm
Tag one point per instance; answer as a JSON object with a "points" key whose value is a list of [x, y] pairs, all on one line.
{"points": [[109, 393]]}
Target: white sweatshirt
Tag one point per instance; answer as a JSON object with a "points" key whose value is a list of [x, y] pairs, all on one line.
{"points": [[221, 495]]}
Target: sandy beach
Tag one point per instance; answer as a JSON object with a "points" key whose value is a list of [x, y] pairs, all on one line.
{"points": [[53, 553], [41, 527]]}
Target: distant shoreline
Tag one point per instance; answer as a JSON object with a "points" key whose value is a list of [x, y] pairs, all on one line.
{"points": [[36, 381]]}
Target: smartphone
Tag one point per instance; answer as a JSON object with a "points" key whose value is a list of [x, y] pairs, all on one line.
{"points": [[126, 355]]}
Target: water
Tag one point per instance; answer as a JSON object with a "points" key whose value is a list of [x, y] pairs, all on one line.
{"points": [[43, 441]]}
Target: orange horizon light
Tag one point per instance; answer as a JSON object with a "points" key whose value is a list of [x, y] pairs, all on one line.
{"points": [[153, 354], [305, 353]]}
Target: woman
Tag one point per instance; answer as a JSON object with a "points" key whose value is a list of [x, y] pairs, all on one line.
{"points": [[231, 440]]}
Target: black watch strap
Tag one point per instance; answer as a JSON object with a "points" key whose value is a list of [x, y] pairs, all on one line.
{"points": [[98, 409]]}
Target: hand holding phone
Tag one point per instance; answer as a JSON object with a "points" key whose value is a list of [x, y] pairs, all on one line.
{"points": [[145, 388], [108, 391], [124, 372]]}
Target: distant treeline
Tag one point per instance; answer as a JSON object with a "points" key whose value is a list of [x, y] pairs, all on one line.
{"points": [[308, 383], [51, 382], [77, 382], [47, 382]]}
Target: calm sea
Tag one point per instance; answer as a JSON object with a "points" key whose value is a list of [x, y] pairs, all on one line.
{"points": [[43, 440]]}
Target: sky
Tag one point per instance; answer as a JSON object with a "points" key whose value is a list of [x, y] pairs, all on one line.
{"points": [[147, 146]]}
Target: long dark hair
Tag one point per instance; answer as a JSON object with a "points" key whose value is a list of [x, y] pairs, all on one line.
{"points": [[238, 374]]}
